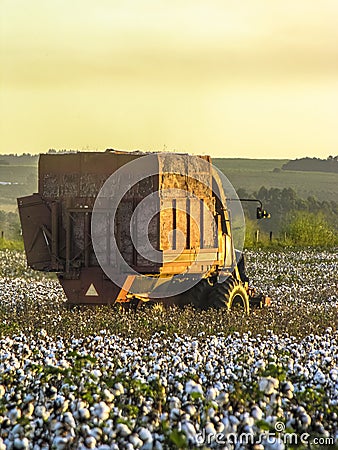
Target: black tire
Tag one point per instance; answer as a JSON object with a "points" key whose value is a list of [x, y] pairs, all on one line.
{"points": [[230, 294], [196, 296]]}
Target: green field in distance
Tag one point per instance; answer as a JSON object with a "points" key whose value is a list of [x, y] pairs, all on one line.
{"points": [[251, 174]]}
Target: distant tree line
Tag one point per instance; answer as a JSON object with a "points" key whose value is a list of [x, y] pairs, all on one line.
{"points": [[27, 158], [15, 159], [313, 164], [318, 220]]}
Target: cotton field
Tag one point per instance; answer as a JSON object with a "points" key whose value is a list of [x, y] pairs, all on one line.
{"points": [[99, 378]]}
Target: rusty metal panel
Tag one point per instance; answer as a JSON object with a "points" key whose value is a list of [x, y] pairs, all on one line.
{"points": [[91, 286], [35, 216], [145, 229], [49, 186], [90, 184], [79, 174], [124, 242]]}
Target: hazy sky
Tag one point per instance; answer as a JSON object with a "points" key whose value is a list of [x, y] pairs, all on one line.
{"points": [[231, 78]]}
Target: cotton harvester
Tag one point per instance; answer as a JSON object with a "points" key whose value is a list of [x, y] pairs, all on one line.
{"points": [[134, 227]]}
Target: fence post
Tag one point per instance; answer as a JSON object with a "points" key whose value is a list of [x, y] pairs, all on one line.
{"points": [[257, 235], [270, 236], [2, 234]]}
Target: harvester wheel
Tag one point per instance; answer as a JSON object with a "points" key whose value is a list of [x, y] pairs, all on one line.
{"points": [[198, 295], [230, 294]]}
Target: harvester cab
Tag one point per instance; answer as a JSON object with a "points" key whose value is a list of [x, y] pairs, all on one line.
{"points": [[134, 227]]}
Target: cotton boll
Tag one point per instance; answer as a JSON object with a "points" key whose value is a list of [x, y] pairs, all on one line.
{"points": [[334, 374], [189, 430], [90, 442], [174, 402], [119, 389], [145, 435], [123, 430], [192, 386], [260, 364], [234, 420], [190, 409], [21, 443], [84, 413], [108, 396], [305, 419], [135, 441], [157, 445], [211, 394], [268, 385], [319, 377], [256, 412], [69, 419], [14, 414], [60, 443], [17, 430], [175, 414], [101, 410], [210, 429], [179, 387]]}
